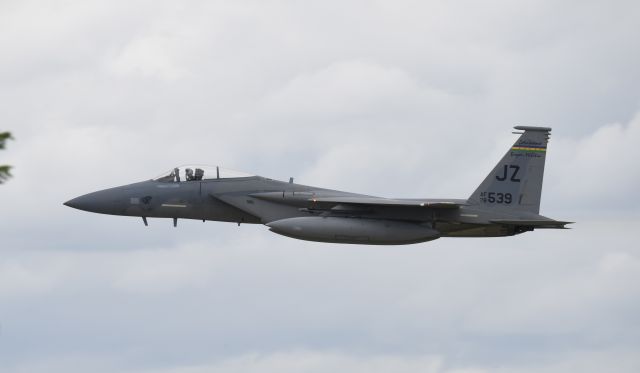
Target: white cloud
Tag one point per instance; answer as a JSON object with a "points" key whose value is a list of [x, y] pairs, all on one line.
{"points": [[597, 171], [150, 57], [306, 361], [399, 99], [15, 279], [323, 361], [343, 90]]}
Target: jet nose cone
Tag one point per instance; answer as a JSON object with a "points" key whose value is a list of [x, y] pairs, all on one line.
{"points": [[100, 202], [80, 203], [114, 201]]}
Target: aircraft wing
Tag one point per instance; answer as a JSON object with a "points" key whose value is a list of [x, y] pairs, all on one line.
{"points": [[376, 201], [359, 205], [540, 223]]}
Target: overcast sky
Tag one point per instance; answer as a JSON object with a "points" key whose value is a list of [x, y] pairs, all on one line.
{"points": [[391, 98]]}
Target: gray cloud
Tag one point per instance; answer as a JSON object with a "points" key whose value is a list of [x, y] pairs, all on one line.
{"points": [[407, 99]]}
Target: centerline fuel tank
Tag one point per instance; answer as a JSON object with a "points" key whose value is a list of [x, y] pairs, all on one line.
{"points": [[354, 230]]}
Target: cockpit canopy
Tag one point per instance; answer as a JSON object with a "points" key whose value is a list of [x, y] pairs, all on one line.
{"points": [[199, 172]]}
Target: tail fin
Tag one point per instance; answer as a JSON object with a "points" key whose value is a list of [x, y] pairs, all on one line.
{"points": [[516, 181]]}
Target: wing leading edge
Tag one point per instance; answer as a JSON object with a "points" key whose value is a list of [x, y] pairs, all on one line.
{"points": [[376, 201]]}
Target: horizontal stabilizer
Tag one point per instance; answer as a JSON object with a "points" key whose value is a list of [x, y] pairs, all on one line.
{"points": [[541, 223]]}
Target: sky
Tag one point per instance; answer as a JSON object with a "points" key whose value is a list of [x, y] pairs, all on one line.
{"points": [[390, 98]]}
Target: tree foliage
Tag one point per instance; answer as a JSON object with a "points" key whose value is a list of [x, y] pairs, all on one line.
{"points": [[5, 173]]}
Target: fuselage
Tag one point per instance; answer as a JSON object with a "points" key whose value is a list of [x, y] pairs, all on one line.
{"points": [[259, 200]]}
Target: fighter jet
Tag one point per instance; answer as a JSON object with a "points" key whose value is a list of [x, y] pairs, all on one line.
{"points": [[506, 203]]}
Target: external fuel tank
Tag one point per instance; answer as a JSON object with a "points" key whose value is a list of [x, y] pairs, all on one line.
{"points": [[354, 230]]}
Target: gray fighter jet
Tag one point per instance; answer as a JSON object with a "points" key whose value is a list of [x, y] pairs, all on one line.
{"points": [[506, 203]]}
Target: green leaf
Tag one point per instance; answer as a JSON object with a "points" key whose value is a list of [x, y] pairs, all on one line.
{"points": [[4, 173], [3, 137]]}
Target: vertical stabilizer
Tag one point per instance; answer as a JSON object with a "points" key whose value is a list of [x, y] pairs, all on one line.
{"points": [[516, 181]]}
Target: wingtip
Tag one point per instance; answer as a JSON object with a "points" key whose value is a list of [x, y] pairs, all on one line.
{"points": [[533, 128]]}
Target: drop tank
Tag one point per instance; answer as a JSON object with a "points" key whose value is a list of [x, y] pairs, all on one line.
{"points": [[354, 230]]}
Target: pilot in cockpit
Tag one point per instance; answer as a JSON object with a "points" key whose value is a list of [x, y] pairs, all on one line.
{"points": [[189, 174], [176, 173]]}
